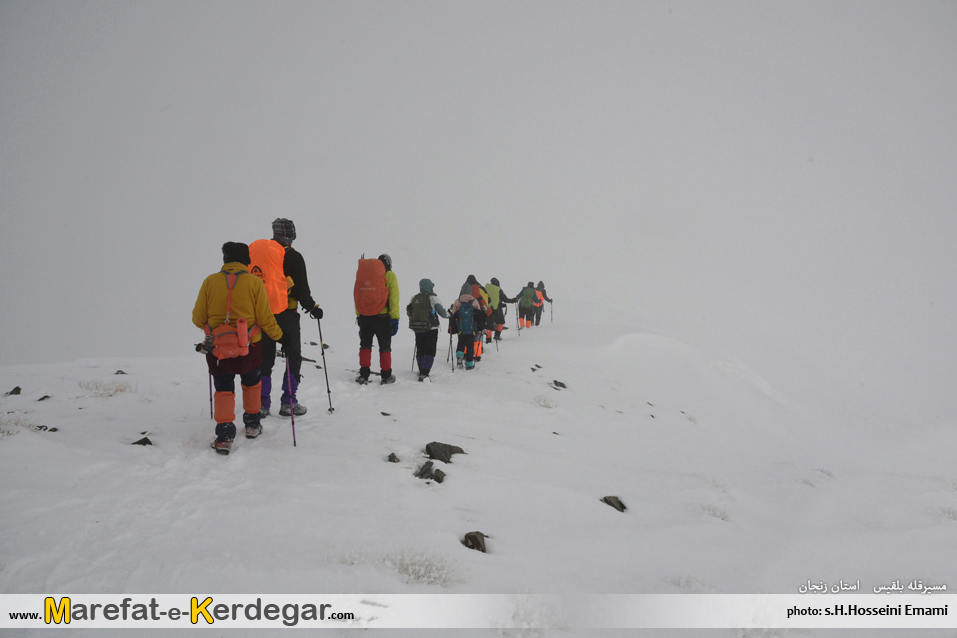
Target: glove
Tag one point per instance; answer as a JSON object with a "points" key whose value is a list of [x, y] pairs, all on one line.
{"points": [[316, 312], [395, 327]]}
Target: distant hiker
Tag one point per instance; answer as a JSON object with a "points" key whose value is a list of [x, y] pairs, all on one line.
{"points": [[497, 300], [283, 272], [540, 298], [468, 314], [235, 295], [526, 306], [481, 295], [377, 314], [424, 311]]}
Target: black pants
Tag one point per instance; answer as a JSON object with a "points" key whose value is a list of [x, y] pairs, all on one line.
{"points": [[380, 328], [288, 321], [527, 313], [467, 345], [426, 343]]}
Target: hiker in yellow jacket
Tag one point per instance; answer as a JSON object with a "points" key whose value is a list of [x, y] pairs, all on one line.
{"points": [[247, 300]]}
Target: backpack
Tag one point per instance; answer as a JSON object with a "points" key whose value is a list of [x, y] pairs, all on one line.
{"points": [[528, 297], [371, 292], [266, 262], [422, 316], [230, 341], [466, 319]]}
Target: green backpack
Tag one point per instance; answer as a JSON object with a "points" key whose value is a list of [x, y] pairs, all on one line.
{"points": [[528, 298], [422, 317]]}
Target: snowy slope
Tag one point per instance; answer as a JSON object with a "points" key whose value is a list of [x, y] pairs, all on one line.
{"points": [[729, 488]]}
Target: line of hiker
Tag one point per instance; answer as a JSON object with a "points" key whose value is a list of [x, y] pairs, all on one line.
{"points": [[243, 318]]}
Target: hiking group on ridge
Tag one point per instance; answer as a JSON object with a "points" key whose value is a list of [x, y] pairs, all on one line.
{"points": [[243, 318]]}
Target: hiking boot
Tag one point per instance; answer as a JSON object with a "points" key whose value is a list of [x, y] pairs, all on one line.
{"points": [[253, 428], [263, 413], [297, 409], [361, 380], [222, 446], [469, 365], [423, 375], [388, 379], [477, 359]]}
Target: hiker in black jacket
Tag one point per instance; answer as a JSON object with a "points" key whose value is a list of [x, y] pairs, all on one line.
{"points": [[541, 298]]}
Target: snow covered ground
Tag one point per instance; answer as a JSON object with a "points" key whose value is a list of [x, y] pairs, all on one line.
{"points": [[729, 487], [744, 213]]}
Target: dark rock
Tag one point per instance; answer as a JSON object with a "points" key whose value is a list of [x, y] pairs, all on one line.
{"points": [[438, 476], [385, 414], [16, 390], [614, 502], [43, 398], [425, 472], [475, 540], [560, 384], [119, 372], [143, 441], [393, 458], [442, 451]]}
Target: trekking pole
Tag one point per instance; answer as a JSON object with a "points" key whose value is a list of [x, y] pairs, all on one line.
{"points": [[414, 350], [325, 368], [211, 395], [551, 311], [292, 407]]}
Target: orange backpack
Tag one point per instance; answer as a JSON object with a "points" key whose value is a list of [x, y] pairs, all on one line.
{"points": [[230, 341], [371, 292], [266, 258]]}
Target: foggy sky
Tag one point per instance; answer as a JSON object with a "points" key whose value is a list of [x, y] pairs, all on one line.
{"points": [[773, 180]]}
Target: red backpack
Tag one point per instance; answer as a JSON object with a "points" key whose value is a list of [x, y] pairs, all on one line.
{"points": [[371, 292]]}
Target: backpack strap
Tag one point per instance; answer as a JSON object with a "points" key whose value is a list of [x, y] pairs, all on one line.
{"points": [[230, 284]]}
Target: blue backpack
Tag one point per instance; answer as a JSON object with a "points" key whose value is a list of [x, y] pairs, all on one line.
{"points": [[466, 318]]}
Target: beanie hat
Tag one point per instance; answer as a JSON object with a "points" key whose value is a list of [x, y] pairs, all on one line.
{"points": [[385, 259], [530, 285], [541, 285], [234, 251], [466, 289], [283, 230], [472, 280], [495, 282]]}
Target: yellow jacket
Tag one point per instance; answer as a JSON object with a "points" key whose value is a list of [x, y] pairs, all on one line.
{"points": [[249, 301]]}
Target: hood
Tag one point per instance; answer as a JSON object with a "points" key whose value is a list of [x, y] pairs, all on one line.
{"points": [[466, 289], [426, 286]]}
